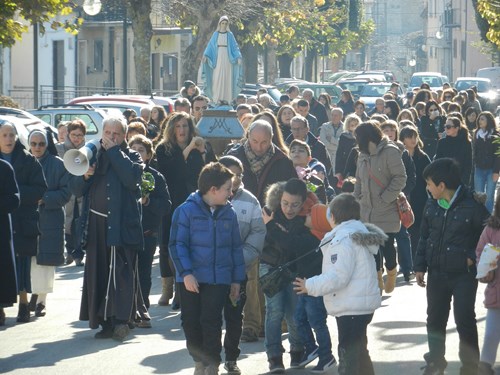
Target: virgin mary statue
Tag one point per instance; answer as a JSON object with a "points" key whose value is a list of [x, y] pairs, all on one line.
{"points": [[222, 65]]}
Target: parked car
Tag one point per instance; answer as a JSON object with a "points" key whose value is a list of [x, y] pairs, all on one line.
{"points": [[319, 88], [123, 102], [493, 73], [490, 98], [250, 89], [380, 75], [354, 85], [374, 90], [434, 79], [92, 117]]}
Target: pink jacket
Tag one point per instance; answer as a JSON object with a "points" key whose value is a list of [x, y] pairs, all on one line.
{"points": [[492, 291]]}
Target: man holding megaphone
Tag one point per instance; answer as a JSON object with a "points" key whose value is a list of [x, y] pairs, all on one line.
{"points": [[110, 231]]}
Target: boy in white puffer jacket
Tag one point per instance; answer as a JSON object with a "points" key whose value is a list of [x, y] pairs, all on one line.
{"points": [[348, 281]]}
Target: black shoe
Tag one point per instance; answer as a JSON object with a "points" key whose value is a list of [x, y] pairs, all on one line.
{"points": [[276, 365], [69, 260], [32, 304], [79, 262], [296, 359], [23, 316], [120, 332], [308, 357], [231, 367], [105, 333], [175, 305], [40, 310], [432, 369]]}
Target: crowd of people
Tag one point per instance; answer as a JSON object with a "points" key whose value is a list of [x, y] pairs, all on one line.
{"points": [[312, 187]]}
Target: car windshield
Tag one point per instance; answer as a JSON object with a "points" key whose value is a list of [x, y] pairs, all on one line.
{"points": [[432, 81], [482, 86], [354, 87], [374, 90]]}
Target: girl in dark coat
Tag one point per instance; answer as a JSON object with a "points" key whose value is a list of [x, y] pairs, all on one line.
{"points": [[155, 205], [410, 138], [457, 145], [181, 156], [346, 143], [346, 102], [32, 186], [51, 208], [9, 201]]}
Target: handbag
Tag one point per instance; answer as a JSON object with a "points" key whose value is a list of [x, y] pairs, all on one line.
{"points": [[405, 211], [279, 277]]}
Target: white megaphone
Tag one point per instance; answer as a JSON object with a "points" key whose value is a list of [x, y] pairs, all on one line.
{"points": [[78, 162]]}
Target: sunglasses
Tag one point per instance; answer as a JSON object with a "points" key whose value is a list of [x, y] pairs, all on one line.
{"points": [[449, 126], [35, 144]]}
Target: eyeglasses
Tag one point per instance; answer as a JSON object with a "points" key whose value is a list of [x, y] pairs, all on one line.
{"points": [[76, 135], [449, 126], [35, 144], [294, 130]]}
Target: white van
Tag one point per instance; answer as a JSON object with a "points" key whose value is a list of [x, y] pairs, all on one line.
{"points": [[493, 73]]}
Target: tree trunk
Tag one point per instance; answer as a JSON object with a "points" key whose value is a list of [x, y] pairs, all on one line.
{"points": [[194, 52], [251, 62], [308, 65], [285, 63], [139, 11], [271, 64]]}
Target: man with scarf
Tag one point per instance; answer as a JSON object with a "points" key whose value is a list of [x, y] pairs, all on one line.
{"points": [[263, 162], [111, 232]]}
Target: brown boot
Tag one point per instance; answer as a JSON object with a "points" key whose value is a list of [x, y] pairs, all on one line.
{"points": [[164, 299], [380, 280], [390, 282]]}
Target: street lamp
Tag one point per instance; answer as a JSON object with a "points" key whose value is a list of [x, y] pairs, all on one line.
{"points": [[92, 7]]}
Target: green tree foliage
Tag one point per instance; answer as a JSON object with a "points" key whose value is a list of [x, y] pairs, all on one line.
{"points": [[15, 15], [316, 26], [488, 20]]}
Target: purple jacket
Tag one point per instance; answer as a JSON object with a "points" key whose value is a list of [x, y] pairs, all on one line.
{"points": [[492, 291]]}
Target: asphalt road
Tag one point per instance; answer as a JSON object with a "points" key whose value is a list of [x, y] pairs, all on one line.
{"points": [[60, 344]]}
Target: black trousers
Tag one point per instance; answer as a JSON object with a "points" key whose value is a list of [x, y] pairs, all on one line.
{"points": [[441, 287], [353, 345], [388, 252], [201, 317], [145, 264], [233, 316]]}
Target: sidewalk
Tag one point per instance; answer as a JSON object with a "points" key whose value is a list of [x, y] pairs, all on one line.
{"points": [[60, 344]]}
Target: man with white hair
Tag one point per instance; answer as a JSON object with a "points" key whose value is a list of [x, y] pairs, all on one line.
{"points": [[315, 108], [111, 232], [263, 162]]}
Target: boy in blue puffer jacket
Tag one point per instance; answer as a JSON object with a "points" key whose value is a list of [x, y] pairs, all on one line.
{"points": [[206, 248]]}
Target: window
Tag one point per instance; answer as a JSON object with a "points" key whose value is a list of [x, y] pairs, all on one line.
{"points": [[91, 126], [98, 55]]}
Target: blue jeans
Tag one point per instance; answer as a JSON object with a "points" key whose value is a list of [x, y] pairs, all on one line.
{"points": [[311, 313], [404, 251], [282, 305], [483, 183]]}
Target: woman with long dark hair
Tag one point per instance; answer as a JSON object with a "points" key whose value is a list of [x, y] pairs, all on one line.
{"points": [[181, 156], [284, 116], [414, 145], [456, 145], [346, 102], [486, 160], [432, 127]]}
